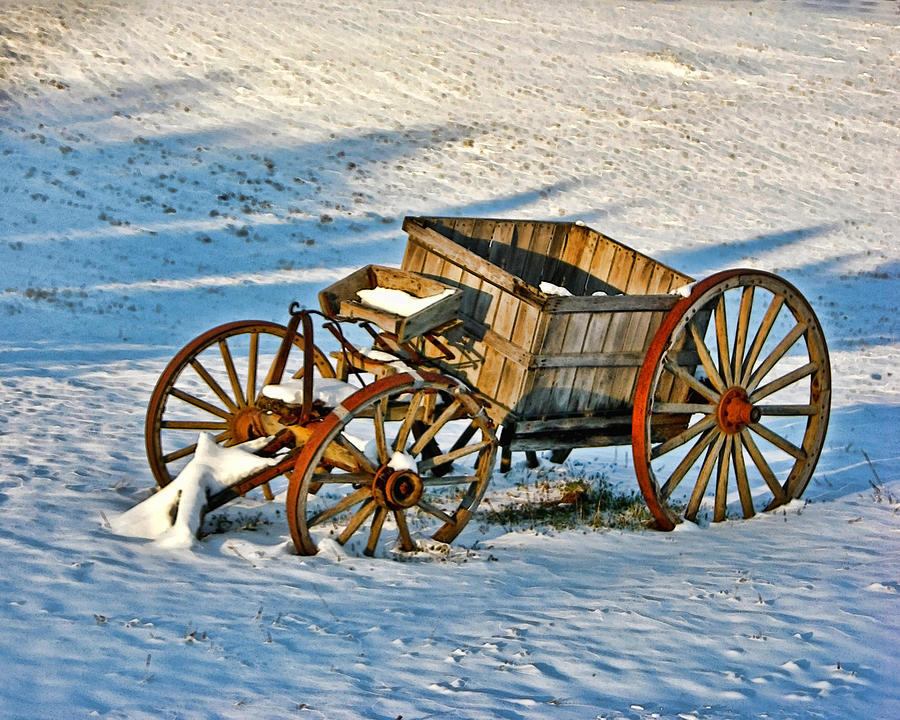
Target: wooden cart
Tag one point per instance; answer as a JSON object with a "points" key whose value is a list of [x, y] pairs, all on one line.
{"points": [[547, 336]]}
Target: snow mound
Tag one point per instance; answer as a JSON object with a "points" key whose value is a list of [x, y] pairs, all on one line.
{"points": [[173, 515]]}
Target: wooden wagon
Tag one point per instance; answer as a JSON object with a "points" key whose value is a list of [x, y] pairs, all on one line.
{"points": [[530, 336]]}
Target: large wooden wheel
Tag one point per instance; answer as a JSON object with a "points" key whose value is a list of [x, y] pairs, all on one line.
{"points": [[214, 384], [732, 400], [375, 463]]}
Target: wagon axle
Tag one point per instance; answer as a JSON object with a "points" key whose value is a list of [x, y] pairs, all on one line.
{"points": [[397, 489]]}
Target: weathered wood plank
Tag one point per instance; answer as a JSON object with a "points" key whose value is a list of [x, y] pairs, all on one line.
{"points": [[610, 303], [446, 248]]}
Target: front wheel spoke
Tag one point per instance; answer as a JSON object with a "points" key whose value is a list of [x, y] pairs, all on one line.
{"points": [[213, 385], [682, 374], [782, 382], [406, 541], [683, 437], [434, 428], [380, 441], [740, 478], [706, 359], [375, 531], [201, 404], [778, 441], [435, 511], [344, 504], [449, 480], [762, 333], [465, 436], [766, 366], [721, 503], [687, 463], [232, 373], [406, 426], [359, 517], [763, 467], [452, 456], [722, 342], [327, 478], [709, 462], [358, 455]]}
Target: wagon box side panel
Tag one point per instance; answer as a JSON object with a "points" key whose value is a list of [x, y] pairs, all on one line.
{"points": [[537, 356], [492, 347]]}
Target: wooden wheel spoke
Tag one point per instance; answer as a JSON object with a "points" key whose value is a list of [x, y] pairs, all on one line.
{"points": [[343, 504], [763, 467], [192, 448], [448, 480], [762, 334], [181, 453], [193, 425], [709, 462], [213, 385], [329, 478], [705, 424], [252, 362], [406, 426], [201, 404], [465, 436], [786, 344], [380, 441], [687, 462], [375, 531], [740, 477], [683, 408], [453, 455], [434, 428], [232, 373], [743, 326], [722, 342], [435, 511], [359, 456], [788, 410], [682, 374], [783, 382], [721, 502], [778, 441], [359, 517], [706, 359], [406, 541]]}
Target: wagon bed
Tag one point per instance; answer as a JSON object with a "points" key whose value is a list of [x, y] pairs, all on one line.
{"points": [[558, 371]]}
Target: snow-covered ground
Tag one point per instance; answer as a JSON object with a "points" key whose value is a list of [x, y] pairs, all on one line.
{"points": [[168, 166]]}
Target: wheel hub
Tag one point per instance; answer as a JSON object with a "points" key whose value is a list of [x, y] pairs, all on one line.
{"points": [[736, 411], [246, 425], [397, 489]]}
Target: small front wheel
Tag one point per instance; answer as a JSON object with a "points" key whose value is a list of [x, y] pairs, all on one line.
{"points": [[376, 463]]}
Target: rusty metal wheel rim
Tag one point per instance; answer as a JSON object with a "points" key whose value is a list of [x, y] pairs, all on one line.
{"points": [[751, 362], [224, 402], [367, 497]]}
